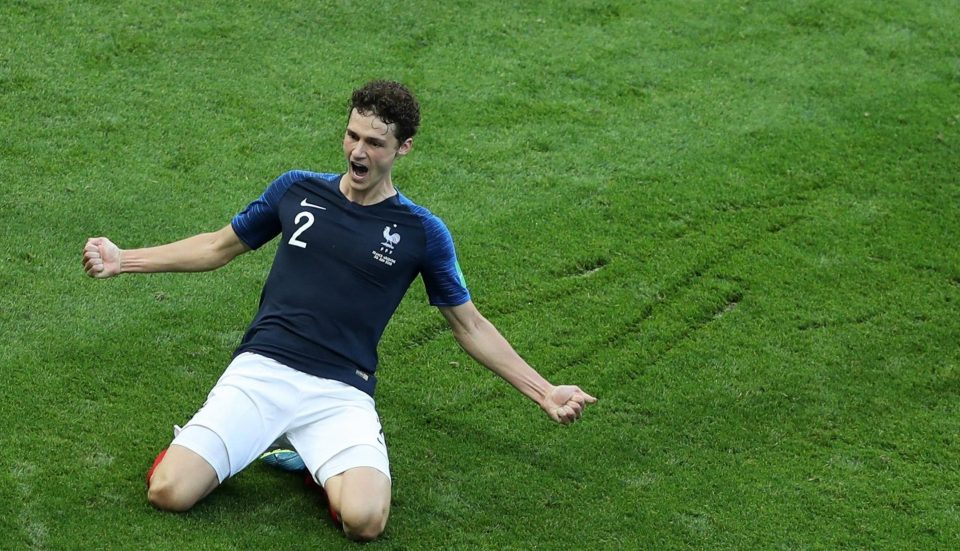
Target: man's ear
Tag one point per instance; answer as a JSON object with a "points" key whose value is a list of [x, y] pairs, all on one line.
{"points": [[405, 147]]}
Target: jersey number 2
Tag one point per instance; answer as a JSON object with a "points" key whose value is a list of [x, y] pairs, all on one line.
{"points": [[308, 218]]}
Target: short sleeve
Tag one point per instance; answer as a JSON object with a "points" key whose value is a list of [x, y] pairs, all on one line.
{"points": [[259, 222], [441, 272]]}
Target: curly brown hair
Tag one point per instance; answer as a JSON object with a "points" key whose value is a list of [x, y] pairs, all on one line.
{"points": [[392, 103]]}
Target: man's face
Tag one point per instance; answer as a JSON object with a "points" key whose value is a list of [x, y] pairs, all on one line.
{"points": [[371, 148]]}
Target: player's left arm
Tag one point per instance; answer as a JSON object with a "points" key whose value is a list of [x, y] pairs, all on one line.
{"points": [[484, 343]]}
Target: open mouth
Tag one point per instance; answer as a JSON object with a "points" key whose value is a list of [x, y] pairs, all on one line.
{"points": [[359, 169]]}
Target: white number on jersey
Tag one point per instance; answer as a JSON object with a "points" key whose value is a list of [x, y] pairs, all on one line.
{"points": [[309, 222]]}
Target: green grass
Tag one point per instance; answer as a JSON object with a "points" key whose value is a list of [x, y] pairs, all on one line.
{"points": [[733, 222]]}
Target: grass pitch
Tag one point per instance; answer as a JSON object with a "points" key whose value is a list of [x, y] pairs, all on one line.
{"points": [[733, 222]]}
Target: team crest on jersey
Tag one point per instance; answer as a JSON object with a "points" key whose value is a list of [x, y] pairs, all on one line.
{"points": [[390, 241]]}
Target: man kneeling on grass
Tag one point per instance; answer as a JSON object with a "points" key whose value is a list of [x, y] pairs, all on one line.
{"points": [[305, 370]]}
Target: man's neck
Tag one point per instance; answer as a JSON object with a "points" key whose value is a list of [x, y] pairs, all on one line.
{"points": [[376, 194]]}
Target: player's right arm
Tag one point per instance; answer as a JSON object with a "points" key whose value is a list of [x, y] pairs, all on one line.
{"points": [[200, 253]]}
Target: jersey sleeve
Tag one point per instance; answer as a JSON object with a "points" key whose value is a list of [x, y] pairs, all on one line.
{"points": [[441, 272], [259, 222]]}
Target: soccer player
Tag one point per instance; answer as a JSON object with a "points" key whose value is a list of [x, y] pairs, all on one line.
{"points": [[305, 370]]}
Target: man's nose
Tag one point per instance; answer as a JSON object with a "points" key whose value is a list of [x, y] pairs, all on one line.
{"points": [[358, 151]]}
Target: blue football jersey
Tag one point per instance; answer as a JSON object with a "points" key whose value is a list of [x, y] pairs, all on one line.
{"points": [[339, 273]]}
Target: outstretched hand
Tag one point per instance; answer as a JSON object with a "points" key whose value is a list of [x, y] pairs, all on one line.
{"points": [[101, 258], [565, 404]]}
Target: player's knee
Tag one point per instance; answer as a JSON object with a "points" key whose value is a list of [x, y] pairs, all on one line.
{"points": [[166, 495], [363, 523]]}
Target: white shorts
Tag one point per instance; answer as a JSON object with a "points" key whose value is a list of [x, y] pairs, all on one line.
{"points": [[332, 425]]}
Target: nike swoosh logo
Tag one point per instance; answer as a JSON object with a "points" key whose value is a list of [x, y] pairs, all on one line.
{"points": [[304, 203]]}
